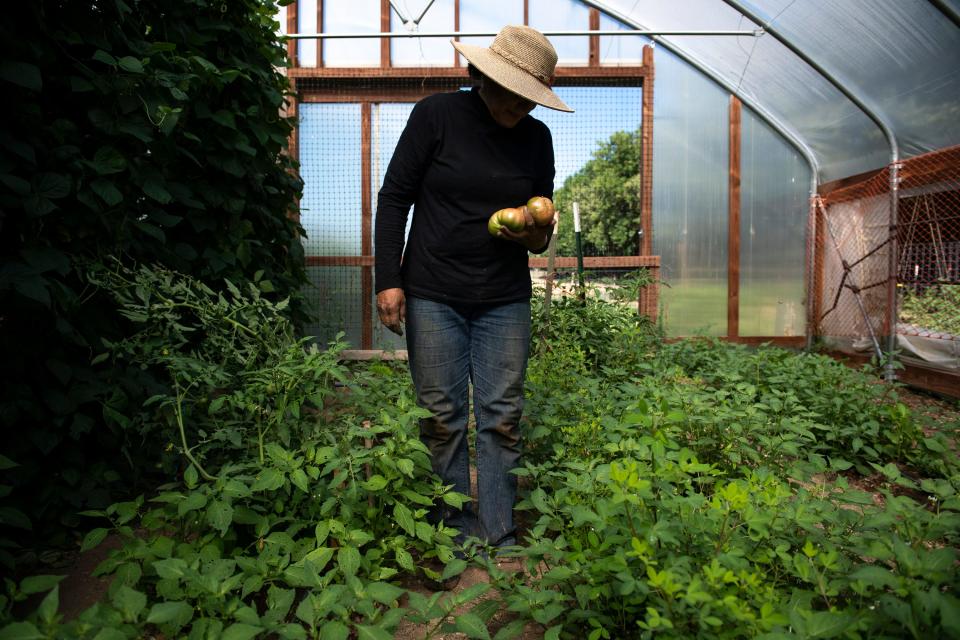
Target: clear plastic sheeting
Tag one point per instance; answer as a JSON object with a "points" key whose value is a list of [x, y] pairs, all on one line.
{"points": [[356, 16], [774, 201], [899, 57], [563, 15], [690, 155], [486, 16], [332, 298], [422, 52]]}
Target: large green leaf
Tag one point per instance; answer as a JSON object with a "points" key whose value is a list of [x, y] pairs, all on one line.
{"points": [[175, 614], [23, 74]]}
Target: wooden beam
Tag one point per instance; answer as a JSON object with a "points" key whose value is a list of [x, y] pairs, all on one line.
{"points": [[733, 221], [292, 27], [320, 41], [820, 244], [593, 57], [339, 261], [827, 188], [293, 144], [598, 262], [646, 159], [384, 28], [914, 374], [603, 74], [456, 28], [366, 225]]}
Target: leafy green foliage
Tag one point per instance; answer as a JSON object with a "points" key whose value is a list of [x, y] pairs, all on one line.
{"points": [[936, 309], [608, 191], [150, 131], [686, 490], [710, 490], [299, 488]]}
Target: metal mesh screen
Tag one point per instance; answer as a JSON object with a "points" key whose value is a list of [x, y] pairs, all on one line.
{"points": [[348, 128], [852, 267]]}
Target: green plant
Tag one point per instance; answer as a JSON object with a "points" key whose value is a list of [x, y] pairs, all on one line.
{"points": [[301, 488], [937, 309], [152, 131]]}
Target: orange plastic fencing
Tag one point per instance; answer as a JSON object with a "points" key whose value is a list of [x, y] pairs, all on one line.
{"points": [[854, 237]]}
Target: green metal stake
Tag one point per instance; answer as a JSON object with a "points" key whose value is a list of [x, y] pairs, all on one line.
{"points": [[579, 243]]}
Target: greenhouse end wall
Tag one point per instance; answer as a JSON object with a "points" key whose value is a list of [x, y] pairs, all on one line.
{"points": [[691, 212]]}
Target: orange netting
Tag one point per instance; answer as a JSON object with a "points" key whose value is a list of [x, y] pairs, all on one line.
{"points": [[852, 268]]}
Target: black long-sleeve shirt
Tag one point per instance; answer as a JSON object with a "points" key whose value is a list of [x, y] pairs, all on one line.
{"points": [[456, 166]]}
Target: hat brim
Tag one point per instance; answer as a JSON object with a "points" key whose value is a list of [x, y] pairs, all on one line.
{"points": [[510, 77]]}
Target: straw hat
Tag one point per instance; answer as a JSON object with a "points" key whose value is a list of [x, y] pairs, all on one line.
{"points": [[521, 60]]}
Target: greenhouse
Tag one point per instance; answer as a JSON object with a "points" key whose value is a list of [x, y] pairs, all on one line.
{"points": [[767, 158], [737, 407]]}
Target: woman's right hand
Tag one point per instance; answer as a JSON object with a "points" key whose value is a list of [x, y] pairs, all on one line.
{"points": [[392, 309]]}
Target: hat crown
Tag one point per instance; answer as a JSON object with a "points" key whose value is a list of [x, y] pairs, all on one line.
{"points": [[527, 49]]}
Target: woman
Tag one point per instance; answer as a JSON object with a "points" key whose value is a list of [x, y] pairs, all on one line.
{"points": [[464, 294]]}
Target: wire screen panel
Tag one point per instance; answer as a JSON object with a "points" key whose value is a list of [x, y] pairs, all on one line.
{"points": [[330, 165], [334, 300], [597, 156], [348, 130], [387, 121]]}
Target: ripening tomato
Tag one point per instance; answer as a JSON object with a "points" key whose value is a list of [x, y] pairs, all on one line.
{"points": [[542, 210], [513, 218]]}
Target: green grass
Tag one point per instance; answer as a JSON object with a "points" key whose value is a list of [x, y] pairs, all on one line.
{"points": [[699, 307]]}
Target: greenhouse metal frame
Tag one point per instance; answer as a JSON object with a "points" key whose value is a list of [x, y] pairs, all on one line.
{"points": [[881, 213]]}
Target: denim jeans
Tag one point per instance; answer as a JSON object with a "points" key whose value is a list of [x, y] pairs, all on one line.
{"points": [[448, 348]]}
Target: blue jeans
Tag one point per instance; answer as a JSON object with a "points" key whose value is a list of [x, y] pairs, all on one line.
{"points": [[448, 348]]}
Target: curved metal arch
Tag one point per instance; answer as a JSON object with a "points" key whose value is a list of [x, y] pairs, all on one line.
{"points": [[871, 113], [791, 136], [948, 11], [842, 87]]}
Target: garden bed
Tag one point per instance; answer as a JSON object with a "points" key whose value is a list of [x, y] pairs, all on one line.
{"points": [[686, 489]]}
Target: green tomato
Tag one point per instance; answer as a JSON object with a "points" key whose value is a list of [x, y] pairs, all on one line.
{"points": [[513, 218]]}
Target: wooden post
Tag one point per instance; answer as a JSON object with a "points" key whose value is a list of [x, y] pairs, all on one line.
{"points": [[292, 28], [733, 223], [320, 30], [384, 28], [366, 227], [646, 159], [593, 58]]}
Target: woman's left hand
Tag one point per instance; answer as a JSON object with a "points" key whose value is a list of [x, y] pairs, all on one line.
{"points": [[531, 236]]}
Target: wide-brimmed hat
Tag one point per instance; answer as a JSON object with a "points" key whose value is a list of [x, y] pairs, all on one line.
{"points": [[521, 60]]}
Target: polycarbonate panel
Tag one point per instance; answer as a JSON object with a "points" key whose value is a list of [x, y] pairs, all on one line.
{"points": [[329, 143], [422, 52], [844, 140], [902, 57], [690, 158], [774, 196], [563, 15], [619, 49], [355, 16], [487, 16], [307, 23], [335, 301]]}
